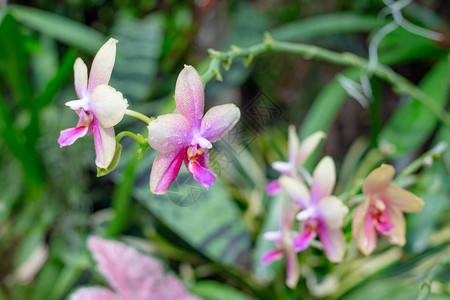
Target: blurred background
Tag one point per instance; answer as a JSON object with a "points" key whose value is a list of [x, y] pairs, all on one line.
{"points": [[51, 198]]}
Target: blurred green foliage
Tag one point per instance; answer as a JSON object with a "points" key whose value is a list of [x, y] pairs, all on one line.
{"points": [[52, 198]]}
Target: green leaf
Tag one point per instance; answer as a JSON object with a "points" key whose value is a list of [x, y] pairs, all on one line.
{"points": [[213, 290], [13, 60], [138, 52], [412, 124], [114, 163], [185, 208], [63, 29]]}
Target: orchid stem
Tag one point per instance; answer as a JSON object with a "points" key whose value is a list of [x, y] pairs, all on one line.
{"points": [[401, 85], [139, 116], [138, 138]]}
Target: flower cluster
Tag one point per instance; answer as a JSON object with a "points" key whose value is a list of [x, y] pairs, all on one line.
{"points": [[186, 135], [322, 215], [131, 275]]}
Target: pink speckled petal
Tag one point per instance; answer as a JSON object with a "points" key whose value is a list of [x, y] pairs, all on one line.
{"points": [[102, 65], [126, 270], [273, 188], [363, 230], [170, 288], [169, 132], [94, 293], [105, 144], [165, 169], [333, 242], [378, 179], [271, 256], [69, 136], [218, 121], [107, 105], [324, 178], [80, 77], [189, 96], [201, 174]]}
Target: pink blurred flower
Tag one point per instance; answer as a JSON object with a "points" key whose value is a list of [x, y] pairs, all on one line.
{"points": [[99, 106], [382, 211], [131, 275], [321, 213], [187, 135], [297, 156], [283, 240]]}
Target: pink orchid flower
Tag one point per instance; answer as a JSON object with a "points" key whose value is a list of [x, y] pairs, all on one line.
{"points": [[382, 211], [321, 213], [99, 106], [187, 135], [297, 156], [283, 240], [132, 275]]}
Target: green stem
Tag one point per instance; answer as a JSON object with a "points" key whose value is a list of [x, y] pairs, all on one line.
{"points": [[140, 139], [139, 116], [401, 85], [425, 288]]}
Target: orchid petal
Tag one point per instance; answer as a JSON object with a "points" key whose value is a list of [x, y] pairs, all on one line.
{"points": [[333, 211], [324, 179], [271, 255], [296, 190], [165, 169], [384, 223], [189, 96], [333, 242], [396, 236], [218, 121], [80, 77], [307, 147], [302, 240], [273, 236], [102, 65], [78, 104], [107, 105], [282, 167], [69, 136], [169, 132], [378, 179], [125, 269], [292, 266], [293, 143], [105, 144], [170, 288], [202, 175], [363, 230], [91, 293], [273, 188], [402, 199]]}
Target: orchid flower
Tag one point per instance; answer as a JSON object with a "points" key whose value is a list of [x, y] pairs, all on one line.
{"points": [[187, 135], [132, 275], [297, 156], [322, 214], [382, 211], [99, 106], [283, 240]]}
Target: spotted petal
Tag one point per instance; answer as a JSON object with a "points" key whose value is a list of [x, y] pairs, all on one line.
{"points": [[165, 169], [91, 293], [107, 105], [218, 121], [189, 96], [102, 65], [169, 132]]}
